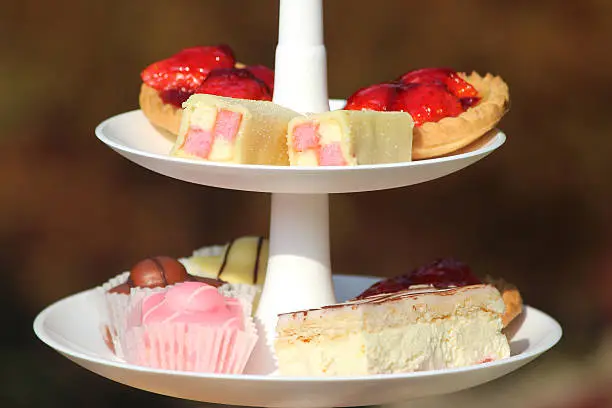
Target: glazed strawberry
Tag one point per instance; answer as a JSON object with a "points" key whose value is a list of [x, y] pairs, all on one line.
{"points": [[425, 75], [453, 82], [442, 273], [426, 102], [264, 74], [185, 71], [459, 87], [235, 83], [375, 97], [428, 94]]}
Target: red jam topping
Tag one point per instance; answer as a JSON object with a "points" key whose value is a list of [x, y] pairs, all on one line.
{"points": [[235, 83], [426, 102], [377, 97], [444, 76], [264, 74], [441, 274], [175, 96], [428, 94], [180, 76], [183, 72]]}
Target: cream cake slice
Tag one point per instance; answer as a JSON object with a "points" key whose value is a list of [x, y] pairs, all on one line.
{"points": [[223, 129], [413, 330], [350, 138]]}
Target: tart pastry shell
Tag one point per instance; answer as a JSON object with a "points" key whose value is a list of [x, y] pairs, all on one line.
{"points": [[165, 117], [511, 296], [433, 139]]}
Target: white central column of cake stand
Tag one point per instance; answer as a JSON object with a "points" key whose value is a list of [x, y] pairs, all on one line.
{"points": [[299, 274]]}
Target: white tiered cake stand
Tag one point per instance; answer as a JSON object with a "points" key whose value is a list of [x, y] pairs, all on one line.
{"points": [[299, 273]]}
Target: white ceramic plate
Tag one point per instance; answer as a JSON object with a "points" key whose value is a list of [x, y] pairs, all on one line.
{"points": [[131, 135], [71, 326]]}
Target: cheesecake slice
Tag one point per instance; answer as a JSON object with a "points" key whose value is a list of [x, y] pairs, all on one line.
{"points": [[412, 330], [232, 130], [350, 138]]}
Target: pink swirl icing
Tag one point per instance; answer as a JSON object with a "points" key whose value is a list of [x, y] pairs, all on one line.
{"points": [[193, 303]]}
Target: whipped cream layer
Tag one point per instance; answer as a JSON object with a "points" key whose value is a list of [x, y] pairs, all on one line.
{"points": [[418, 329]]}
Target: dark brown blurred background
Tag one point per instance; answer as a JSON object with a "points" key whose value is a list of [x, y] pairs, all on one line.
{"points": [[537, 212]]}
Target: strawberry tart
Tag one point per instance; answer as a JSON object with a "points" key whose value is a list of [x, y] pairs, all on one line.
{"points": [[450, 109], [166, 84]]}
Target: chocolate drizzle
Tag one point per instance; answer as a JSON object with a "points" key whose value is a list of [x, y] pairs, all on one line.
{"points": [[225, 256], [256, 266], [209, 281], [406, 293], [161, 269], [224, 261], [413, 292]]}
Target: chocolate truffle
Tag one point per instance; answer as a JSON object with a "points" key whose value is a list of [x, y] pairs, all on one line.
{"points": [[158, 271]]}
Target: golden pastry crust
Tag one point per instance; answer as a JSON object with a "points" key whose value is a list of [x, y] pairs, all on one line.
{"points": [[433, 139], [511, 296], [164, 116]]}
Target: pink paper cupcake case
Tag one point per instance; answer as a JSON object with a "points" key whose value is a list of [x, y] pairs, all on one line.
{"points": [[189, 347], [114, 309], [111, 307]]}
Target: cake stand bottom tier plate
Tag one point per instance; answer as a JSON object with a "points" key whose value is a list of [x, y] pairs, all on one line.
{"points": [[72, 327]]}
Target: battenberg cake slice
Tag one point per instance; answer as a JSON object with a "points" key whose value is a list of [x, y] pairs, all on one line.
{"points": [[223, 129], [349, 138]]}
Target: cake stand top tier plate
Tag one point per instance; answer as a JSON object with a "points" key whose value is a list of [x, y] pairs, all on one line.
{"points": [[131, 135]]}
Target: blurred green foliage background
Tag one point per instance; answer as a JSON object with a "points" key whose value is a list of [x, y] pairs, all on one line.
{"points": [[537, 212]]}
